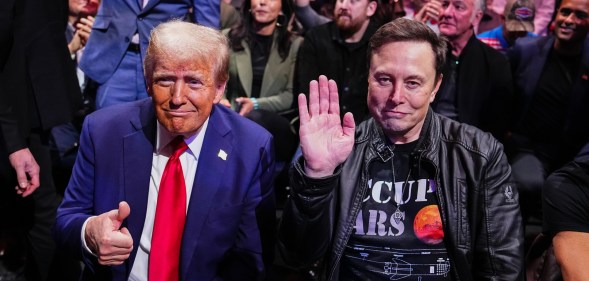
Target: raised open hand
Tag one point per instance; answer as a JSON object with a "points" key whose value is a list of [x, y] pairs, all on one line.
{"points": [[326, 142]]}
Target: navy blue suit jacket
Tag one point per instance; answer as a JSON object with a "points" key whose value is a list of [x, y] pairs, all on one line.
{"points": [[231, 216], [118, 20], [528, 58]]}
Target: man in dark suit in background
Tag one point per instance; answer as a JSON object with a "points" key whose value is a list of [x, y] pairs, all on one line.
{"points": [[115, 51], [477, 87], [115, 212], [552, 84], [38, 90]]}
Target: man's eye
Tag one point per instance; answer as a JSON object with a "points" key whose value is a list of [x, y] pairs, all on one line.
{"points": [[412, 84], [565, 12], [383, 81], [194, 82], [581, 15], [165, 81]]}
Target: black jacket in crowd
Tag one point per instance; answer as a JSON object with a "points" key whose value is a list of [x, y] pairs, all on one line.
{"points": [[477, 200], [484, 88]]}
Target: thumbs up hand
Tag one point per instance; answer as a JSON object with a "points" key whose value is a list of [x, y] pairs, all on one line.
{"points": [[110, 243]]}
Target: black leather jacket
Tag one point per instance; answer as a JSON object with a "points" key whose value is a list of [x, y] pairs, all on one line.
{"points": [[476, 196]]}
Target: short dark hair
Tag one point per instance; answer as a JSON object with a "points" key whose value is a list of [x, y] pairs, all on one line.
{"points": [[406, 30]]}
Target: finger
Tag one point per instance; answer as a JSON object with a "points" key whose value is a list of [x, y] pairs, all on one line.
{"points": [[31, 189], [313, 98], [21, 177], [333, 98], [303, 110], [348, 126], [113, 260], [124, 211], [323, 94]]}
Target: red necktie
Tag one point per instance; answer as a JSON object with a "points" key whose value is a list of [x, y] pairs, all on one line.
{"points": [[170, 215]]}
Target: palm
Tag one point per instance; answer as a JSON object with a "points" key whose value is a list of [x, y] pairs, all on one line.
{"points": [[325, 141]]}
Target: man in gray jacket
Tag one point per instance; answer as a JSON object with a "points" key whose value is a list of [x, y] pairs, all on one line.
{"points": [[408, 193]]}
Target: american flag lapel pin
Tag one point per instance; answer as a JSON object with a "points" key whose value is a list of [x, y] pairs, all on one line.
{"points": [[222, 154]]}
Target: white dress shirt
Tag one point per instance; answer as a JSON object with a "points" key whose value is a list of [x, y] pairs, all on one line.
{"points": [[161, 154]]}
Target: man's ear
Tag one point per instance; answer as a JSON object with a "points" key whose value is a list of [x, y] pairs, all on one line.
{"points": [[371, 8], [149, 88], [219, 92], [436, 88], [478, 16]]}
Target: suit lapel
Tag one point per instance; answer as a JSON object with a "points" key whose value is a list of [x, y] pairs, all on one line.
{"points": [[137, 159], [243, 61], [150, 4], [210, 169], [269, 72], [135, 5], [469, 84], [536, 64]]}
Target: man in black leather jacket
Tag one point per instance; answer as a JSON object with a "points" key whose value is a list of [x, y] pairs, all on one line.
{"points": [[408, 193]]}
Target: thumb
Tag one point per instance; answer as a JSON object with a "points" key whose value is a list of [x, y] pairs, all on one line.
{"points": [[124, 211], [21, 177], [348, 125]]}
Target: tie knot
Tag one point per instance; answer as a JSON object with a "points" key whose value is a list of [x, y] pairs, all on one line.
{"points": [[178, 145]]}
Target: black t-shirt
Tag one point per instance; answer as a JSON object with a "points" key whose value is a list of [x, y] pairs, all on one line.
{"points": [[544, 121], [566, 199], [260, 48], [398, 234]]}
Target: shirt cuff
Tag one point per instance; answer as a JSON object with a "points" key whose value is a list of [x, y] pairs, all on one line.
{"points": [[84, 237]]}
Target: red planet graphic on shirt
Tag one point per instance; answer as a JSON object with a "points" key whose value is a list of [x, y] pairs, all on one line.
{"points": [[428, 225]]}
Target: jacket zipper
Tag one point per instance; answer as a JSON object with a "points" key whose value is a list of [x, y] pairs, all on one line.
{"points": [[355, 213], [442, 212]]}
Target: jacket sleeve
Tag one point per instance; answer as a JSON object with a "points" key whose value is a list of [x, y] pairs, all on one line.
{"points": [[207, 12], [499, 245], [283, 100], [306, 228], [253, 251], [77, 204]]}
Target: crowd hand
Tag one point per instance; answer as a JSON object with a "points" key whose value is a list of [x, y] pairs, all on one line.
{"points": [[326, 142], [104, 237], [84, 28], [27, 171], [225, 102], [246, 105], [75, 44], [431, 11], [302, 3]]}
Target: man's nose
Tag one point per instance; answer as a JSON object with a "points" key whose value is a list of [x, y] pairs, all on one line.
{"points": [[178, 95], [396, 95], [345, 4], [447, 11], [570, 19]]}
